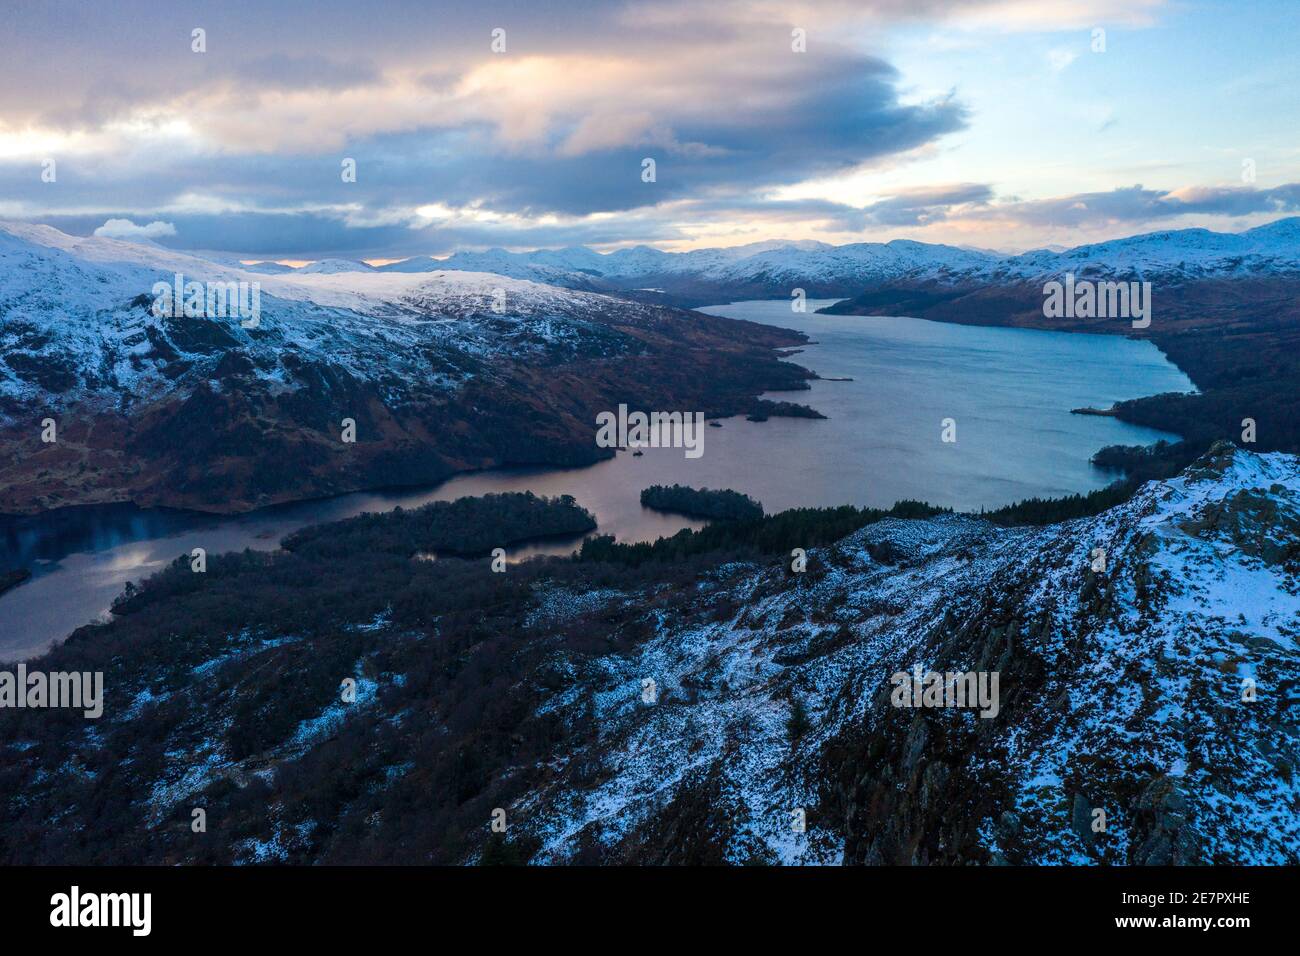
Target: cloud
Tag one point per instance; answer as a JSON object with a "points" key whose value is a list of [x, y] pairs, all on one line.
{"points": [[240, 148], [526, 136], [306, 71], [1035, 16], [1059, 59], [126, 229], [922, 207], [1137, 204], [970, 210]]}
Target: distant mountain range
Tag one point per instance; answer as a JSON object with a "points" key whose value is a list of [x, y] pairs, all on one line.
{"points": [[773, 269], [1199, 279], [334, 266]]}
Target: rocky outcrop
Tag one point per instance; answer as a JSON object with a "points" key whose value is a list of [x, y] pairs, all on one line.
{"points": [[1143, 701]]}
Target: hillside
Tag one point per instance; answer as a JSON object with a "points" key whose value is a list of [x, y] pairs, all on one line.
{"points": [[1120, 690], [441, 372]]}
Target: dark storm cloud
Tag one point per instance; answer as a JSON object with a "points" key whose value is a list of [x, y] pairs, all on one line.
{"points": [[841, 115]]}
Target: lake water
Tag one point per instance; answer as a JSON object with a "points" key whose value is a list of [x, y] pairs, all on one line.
{"points": [[1009, 392]]}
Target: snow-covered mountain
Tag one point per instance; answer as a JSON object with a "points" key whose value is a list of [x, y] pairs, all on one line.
{"points": [[498, 262], [1198, 280], [80, 341], [334, 266], [1184, 254], [78, 327], [264, 267], [756, 267], [775, 267]]}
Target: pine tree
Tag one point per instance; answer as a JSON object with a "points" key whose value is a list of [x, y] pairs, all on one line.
{"points": [[498, 851], [799, 722]]}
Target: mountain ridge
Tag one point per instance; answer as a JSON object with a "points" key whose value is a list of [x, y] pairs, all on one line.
{"points": [[780, 265]]}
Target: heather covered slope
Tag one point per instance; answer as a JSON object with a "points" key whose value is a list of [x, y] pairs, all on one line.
{"points": [[441, 372], [1120, 690]]}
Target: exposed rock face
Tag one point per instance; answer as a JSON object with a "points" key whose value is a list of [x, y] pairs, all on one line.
{"points": [[1170, 838]]}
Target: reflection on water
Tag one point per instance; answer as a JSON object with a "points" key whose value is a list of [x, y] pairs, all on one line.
{"points": [[81, 560], [1010, 391]]}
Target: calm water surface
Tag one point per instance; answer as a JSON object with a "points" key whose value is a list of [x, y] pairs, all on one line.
{"points": [[1010, 392]]}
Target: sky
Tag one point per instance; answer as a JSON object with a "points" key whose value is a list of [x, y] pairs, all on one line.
{"points": [[998, 124]]}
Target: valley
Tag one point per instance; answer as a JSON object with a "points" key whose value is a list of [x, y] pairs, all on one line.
{"points": [[522, 691], [889, 385], [445, 368], [649, 442]]}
